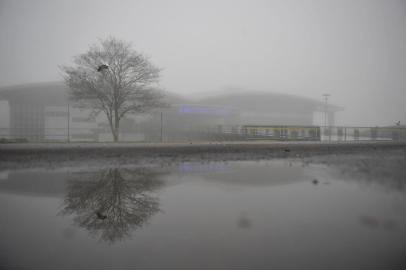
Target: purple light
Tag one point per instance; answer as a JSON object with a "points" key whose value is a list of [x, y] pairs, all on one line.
{"points": [[203, 110]]}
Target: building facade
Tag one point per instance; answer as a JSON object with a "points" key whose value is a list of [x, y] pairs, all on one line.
{"points": [[41, 112]]}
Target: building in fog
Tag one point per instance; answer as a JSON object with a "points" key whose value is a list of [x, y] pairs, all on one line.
{"points": [[267, 108], [41, 111], [229, 112]]}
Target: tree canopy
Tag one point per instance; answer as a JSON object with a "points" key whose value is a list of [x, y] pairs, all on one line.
{"points": [[113, 78]]}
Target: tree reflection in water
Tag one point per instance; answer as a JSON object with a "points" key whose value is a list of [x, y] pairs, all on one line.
{"points": [[113, 202]]}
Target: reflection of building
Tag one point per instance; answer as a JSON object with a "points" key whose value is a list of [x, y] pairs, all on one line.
{"points": [[40, 112]]}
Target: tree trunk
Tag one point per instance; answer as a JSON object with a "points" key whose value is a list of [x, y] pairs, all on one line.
{"points": [[115, 135], [115, 130], [114, 127], [116, 117]]}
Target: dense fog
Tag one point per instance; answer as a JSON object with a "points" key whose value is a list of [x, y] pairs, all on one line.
{"points": [[353, 50]]}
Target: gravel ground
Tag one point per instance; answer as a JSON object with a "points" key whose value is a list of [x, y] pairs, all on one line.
{"points": [[17, 156]]}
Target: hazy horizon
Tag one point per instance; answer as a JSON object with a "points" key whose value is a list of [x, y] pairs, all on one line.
{"points": [[353, 50]]}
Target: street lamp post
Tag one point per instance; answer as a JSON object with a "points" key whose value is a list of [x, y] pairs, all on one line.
{"points": [[161, 127], [68, 124], [325, 97]]}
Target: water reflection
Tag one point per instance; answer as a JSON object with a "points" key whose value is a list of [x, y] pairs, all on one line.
{"points": [[234, 215], [244, 222], [384, 170], [373, 222], [111, 203]]}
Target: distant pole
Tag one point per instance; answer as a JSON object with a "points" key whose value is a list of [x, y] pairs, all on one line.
{"points": [[161, 127], [345, 134], [325, 97], [68, 124]]}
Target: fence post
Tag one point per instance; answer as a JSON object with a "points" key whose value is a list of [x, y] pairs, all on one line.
{"points": [[345, 133], [356, 134], [329, 133]]}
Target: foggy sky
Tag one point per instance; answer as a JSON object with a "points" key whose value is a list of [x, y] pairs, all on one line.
{"points": [[354, 50]]}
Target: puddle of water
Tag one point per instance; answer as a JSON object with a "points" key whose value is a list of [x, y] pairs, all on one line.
{"points": [[280, 214]]}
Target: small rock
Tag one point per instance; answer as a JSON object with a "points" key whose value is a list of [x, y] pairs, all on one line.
{"points": [[101, 216]]}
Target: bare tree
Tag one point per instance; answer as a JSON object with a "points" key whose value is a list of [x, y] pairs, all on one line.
{"points": [[113, 78]]}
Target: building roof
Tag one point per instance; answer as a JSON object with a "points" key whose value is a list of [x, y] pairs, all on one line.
{"points": [[55, 93], [44, 93], [268, 102]]}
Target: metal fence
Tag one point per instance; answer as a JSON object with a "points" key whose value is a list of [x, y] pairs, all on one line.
{"points": [[27, 134], [212, 133], [273, 132], [310, 133], [363, 133]]}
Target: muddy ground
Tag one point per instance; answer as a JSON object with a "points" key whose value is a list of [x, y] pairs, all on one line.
{"points": [[17, 156]]}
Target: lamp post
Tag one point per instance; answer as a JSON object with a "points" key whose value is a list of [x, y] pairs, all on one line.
{"points": [[68, 124], [325, 97], [161, 127]]}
